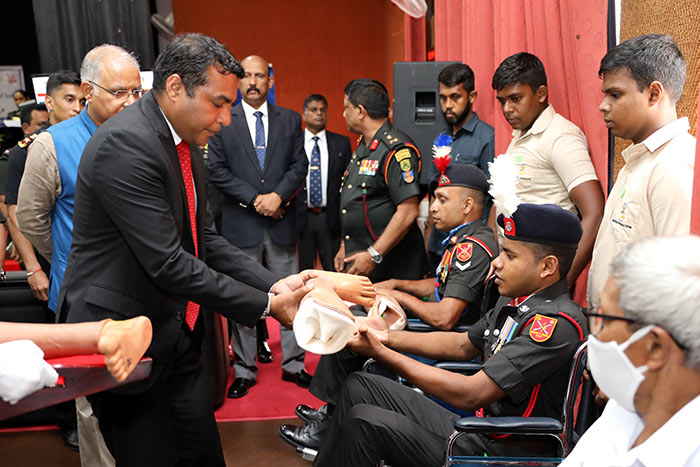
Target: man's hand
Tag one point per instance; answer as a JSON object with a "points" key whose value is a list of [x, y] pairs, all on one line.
{"points": [[365, 341], [14, 253], [339, 260], [268, 204], [39, 284], [375, 325], [362, 263], [284, 306], [279, 214], [292, 283], [389, 284]]}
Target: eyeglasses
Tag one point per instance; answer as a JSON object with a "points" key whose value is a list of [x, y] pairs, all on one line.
{"points": [[596, 320], [121, 94], [596, 323]]}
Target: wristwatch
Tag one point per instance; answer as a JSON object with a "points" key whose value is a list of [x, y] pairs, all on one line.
{"points": [[376, 257]]}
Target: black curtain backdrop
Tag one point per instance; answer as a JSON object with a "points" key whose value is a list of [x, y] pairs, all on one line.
{"points": [[67, 29]]}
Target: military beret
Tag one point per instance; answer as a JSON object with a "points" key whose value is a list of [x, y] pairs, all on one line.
{"points": [[542, 223], [460, 174]]}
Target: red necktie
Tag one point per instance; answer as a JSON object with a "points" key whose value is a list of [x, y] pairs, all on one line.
{"points": [[183, 153]]}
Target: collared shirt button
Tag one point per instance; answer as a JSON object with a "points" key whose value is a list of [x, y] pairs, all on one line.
{"points": [[262, 181]]}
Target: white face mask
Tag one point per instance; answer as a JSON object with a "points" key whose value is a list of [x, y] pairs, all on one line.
{"points": [[614, 373]]}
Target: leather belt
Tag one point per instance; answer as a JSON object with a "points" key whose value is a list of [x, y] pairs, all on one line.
{"points": [[317, 210]]}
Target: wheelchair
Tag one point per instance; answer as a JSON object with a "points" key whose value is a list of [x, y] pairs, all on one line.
{"points": [[578, 413]]}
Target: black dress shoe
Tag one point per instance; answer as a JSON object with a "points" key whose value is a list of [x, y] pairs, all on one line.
{"points": [[70, 438], [300, 378], [239, 387], [264, 353], [309, 414], [308, 436]]}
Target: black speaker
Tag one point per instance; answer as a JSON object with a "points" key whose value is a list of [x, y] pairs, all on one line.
{"points": [[417, 109]]}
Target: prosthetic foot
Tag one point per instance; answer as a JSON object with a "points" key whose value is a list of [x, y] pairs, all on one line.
{"points": [[123, 343], [355, 289]]}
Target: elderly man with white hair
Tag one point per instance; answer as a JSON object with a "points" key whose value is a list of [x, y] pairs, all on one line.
{"points": [[110, 81], [644, 354]]}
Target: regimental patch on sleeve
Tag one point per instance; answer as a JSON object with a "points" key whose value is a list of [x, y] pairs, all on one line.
{"points": [[464, 251], [405, 165], [542, 328], [402, 154], [408, 176]]}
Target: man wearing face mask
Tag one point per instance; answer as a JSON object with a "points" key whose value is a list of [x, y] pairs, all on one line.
{"points": [[644, 353]]}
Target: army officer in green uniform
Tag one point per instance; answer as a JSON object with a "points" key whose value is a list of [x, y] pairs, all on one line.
{"points": [[379, 195]]}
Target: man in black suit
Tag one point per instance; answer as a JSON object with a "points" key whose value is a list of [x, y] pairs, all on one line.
{"points": [[142, 246], [258, 164], [329, 154]]}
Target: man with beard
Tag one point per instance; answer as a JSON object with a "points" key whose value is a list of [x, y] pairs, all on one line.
{"points": [[258, 164], [472, 139]]}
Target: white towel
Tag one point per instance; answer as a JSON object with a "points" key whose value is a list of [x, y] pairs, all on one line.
{"points": [[321, 329]]}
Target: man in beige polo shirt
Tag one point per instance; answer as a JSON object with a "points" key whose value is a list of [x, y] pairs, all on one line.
{"points": [[643, 79], [550, 152]]}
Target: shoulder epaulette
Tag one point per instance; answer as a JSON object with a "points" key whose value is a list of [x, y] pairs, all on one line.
{"points": [[392, 139], [27, 141]]}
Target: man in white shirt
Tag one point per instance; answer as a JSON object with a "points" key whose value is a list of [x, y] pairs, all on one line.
{"points": [[551, 153], [644, 353], [328, 154], [643, 79]]}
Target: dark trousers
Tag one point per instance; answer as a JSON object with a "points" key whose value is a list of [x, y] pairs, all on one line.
{"points": [[171, 424], [378, 419], [317, 238], [333, 369]]}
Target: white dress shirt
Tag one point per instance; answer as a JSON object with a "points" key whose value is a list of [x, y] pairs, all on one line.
{"points": [[323, 146], [608, 442], [251, 119]]}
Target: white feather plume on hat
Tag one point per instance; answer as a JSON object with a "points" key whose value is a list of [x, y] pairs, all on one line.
{"points": [[504, 176]]}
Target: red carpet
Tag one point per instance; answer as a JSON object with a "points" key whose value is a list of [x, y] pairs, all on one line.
{"points": [[270, 398]]}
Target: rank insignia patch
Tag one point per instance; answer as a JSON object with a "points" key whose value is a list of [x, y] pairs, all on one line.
{"points": [[405, 165], [408, 176], [464, 251], [374, 145], [542, 328], [368, 167]]}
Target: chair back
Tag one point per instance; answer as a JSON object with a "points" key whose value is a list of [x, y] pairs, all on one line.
{"points": [[579, 411]]}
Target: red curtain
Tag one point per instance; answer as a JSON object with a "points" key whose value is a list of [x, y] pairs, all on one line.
{"points": [[414, 39]]}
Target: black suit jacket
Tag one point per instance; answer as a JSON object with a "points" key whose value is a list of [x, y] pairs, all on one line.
{"points": [[133, 253], [339, 154], [233, 168]]}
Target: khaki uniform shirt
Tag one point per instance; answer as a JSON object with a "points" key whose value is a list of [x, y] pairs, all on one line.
{"points": [[652, 196], [38, 191], [552, 158]]}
